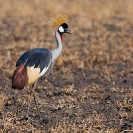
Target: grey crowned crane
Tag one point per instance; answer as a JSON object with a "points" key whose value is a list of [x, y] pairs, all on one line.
{"points": [[36, 62]]}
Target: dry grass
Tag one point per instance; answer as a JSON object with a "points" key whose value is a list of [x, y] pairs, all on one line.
{"points": [[90, 90]]}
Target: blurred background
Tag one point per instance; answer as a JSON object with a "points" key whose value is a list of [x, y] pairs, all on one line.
{"points": [[87, 20], [90, 89]]}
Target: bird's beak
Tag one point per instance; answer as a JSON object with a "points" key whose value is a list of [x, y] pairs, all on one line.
{"points": [[68, 31]]}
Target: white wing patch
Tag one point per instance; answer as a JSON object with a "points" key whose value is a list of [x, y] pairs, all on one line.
{"points": [[44, 70]]}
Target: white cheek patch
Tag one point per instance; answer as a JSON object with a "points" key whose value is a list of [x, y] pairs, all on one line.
{"points": [[61, 29]]}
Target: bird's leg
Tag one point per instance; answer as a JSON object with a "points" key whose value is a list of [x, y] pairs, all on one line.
{"points": [[32, 93], [29, 100], [33, 88]]}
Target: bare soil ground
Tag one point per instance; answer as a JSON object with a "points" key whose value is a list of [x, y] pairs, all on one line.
{"points": [[91, 87]]}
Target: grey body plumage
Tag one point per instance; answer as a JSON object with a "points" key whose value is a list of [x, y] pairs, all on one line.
{"points": [[38, 57]]}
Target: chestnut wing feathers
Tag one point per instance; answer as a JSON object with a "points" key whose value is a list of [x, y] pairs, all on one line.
{"points": [[39, 57]]}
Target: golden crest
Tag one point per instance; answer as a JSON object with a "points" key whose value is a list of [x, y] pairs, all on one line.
{"points": [[57, 19]]}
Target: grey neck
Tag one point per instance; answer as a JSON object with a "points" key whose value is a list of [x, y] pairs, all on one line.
{"points": [[57, 51]]}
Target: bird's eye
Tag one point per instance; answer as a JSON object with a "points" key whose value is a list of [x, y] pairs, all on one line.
{"points": [[61, 29]]}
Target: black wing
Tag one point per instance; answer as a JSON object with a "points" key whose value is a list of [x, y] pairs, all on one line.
{"points": [[39, 57]]}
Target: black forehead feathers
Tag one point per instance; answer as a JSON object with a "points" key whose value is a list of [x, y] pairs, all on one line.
{"points": [[64, 25]]}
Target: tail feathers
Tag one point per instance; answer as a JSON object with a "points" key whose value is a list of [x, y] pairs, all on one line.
{"points": [[19, 79]]}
